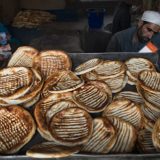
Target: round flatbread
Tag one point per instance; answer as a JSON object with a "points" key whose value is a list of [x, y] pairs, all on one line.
{"points": [[48, 62], [93, 96], [17, 127], [135, 66], [23, 56], [51, 150], [87, 66]]}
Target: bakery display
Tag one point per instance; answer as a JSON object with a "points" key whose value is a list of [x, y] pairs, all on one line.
{"points": [[89, 108]]}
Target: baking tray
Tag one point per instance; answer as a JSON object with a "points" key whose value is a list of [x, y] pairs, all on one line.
{"points": [[78, 58]]}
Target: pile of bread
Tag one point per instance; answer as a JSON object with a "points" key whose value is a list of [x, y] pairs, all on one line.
{"points": [[32, 18], [82, 110]]}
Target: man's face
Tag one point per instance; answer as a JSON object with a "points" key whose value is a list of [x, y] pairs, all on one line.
{"points": [[146, 31]]}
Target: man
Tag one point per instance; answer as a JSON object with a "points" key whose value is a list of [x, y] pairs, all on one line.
{"points": [[135, 38]]}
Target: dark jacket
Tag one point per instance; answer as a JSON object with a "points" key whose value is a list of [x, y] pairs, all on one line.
{"points": [[123, 41]]}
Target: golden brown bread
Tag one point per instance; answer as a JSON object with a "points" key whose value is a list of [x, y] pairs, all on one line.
{"points": [[51, 150], [111, 72], [148, 86], [93, 96], [22, 94], [126, 136], [126, 110], [135, 66], [145, 143], [103, 138], [88, 66], [17, 127], [15, 80], [60, 82], [133, 96], [23, 56], [151, 112], [71, 126], [47, 62], [41, 109]]}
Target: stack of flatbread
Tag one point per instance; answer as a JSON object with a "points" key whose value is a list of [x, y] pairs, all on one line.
{"points": [[148, 86], [19, 85], [32, 18], [87, 111], [126, 117], [111, 72], [135, 66]]}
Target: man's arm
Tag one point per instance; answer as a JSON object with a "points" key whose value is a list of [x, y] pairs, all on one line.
{"points": [[113, 45]]}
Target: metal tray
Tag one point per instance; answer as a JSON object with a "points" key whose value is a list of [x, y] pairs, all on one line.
{"points": [[78, 58]]}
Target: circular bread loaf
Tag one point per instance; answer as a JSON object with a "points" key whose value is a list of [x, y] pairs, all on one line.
{"points": [[110, 69], [126, 136], [135, 66], [23, 56], [87, 66], [15, 80], [51, 150], [126, 110], [60, 82], [41, 109], [103, 138], [20, 86], [69, 125], [93, 96], [133, 96], [48, 62], [148, 86], [145, 143], [151, 112], [17, 127]]}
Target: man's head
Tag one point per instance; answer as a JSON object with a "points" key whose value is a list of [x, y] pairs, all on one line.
{"points": [[148, 26]]}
